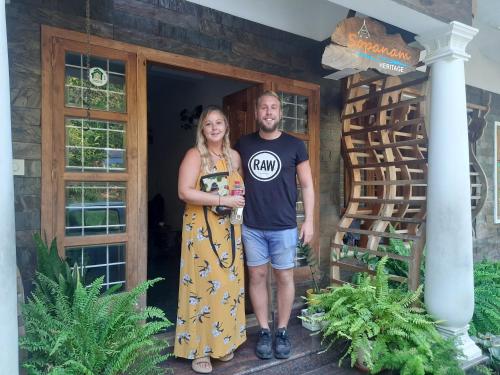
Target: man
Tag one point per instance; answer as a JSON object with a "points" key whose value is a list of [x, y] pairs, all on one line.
{"points": [[272, 160]]}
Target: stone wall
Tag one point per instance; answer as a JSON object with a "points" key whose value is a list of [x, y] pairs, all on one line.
{"points": [[486, 231], [170, 25]]}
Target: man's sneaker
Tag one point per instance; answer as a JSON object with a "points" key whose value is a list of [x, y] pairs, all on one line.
{"points": [[282, 345], [264, 349]]}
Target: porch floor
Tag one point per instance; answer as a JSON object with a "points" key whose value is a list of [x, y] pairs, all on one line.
{"points": [[305, 359]]}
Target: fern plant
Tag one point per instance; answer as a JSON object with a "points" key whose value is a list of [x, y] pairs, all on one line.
{"points": [[89, 333], [394, 267], [486, 318], [385, 327]]}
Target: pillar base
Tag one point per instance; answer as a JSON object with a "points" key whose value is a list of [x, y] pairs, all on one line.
{"points": [[471, 352]]}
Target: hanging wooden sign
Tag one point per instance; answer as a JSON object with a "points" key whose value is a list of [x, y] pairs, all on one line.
{"points": [[362, 43]]}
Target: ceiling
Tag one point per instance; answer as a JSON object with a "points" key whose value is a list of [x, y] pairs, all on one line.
{"points": [[487, 20], [316, 19]]}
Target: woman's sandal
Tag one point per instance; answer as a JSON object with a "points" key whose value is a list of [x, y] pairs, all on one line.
{"points": [[202, 365], [227, 357]]}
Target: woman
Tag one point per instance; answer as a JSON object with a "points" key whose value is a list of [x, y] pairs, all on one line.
{"points": [[211, 310]]}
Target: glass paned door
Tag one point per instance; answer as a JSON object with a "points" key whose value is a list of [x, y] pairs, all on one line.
{"points": [[93, 157], [300, 111], [80, 92], [95, 145], [295, 111]]}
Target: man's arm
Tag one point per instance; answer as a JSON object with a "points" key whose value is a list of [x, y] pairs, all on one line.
{"points": [[306, 184]]}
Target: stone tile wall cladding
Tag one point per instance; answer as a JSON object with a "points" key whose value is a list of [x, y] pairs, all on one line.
{"points": [[486, 232], [170, 25]]}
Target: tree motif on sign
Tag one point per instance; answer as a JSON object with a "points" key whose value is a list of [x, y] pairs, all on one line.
{"points": [[363, 31]]}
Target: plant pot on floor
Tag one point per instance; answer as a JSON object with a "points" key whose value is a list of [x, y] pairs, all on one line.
{"points": [[361, 360], [310, 320]]}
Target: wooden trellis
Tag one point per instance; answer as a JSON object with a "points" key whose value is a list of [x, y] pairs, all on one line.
{"points": [[384, 144], [479, 185]]}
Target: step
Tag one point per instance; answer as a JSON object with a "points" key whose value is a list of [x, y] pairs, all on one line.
{"points": [[304, 358]]}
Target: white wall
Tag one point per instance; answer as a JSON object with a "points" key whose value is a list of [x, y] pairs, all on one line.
{"points": [[483, 69]]}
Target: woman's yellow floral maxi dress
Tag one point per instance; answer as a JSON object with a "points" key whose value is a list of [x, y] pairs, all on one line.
{"points": [[211, 309]]}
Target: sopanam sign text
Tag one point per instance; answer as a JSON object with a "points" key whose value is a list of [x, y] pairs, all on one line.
{"points": [[362, 43]]}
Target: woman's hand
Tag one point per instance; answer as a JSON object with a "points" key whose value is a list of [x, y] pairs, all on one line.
{"points": [[232, 201]]}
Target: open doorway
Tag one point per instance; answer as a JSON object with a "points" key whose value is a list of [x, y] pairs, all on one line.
{"points": [[175, 100]]}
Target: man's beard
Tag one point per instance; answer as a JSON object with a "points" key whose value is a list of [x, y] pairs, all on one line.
{"points": [[267, 129]]}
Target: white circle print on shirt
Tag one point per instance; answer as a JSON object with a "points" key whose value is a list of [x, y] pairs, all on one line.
{"points": [[264, 165]]}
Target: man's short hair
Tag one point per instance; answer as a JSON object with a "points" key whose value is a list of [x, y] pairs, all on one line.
{"points": [[267, 93]]}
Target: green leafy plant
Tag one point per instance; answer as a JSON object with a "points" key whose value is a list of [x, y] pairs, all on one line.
{"points": [[486, 318], [491, 344], [306, 251], [386, 328], [483, 370], [50, 264], [394, 267], [89, 333]]}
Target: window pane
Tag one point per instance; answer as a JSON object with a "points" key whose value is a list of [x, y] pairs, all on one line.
{"points": [[73, 59], [294, 109], [97, 99], [80, 92], [100, 260], [116, 273], [94, 159], [117, 139], [116, 159], [74, 96], [289, 124], [95, 255], [93, 273], [117, 254], [95, 208], [116, 66], [94, 138], [73, 136], [117, 83], [73, 77], [95, 145], [73, 158], [116, 102]]}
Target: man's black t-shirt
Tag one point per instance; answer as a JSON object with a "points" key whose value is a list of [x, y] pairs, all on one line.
{"points": [[270, 180]]}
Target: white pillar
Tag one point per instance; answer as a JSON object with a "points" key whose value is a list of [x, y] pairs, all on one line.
{"points": [[449, 285], [8, 286]]}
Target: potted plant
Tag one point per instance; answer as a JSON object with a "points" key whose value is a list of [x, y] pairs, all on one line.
{"points": [[310, 315], [305, 252], [385, 328]]}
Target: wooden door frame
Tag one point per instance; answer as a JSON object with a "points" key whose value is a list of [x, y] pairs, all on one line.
{"points": [[147, 55]]}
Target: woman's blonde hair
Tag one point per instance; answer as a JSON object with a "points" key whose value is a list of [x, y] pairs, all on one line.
{"points": [[207, 164]]}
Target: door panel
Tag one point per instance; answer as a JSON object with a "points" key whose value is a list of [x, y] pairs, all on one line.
{"points": [[239, 108], [90, 151], [300, 110]]}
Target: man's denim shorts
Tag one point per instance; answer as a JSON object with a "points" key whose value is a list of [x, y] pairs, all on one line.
{"points": [[277, 246]]}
